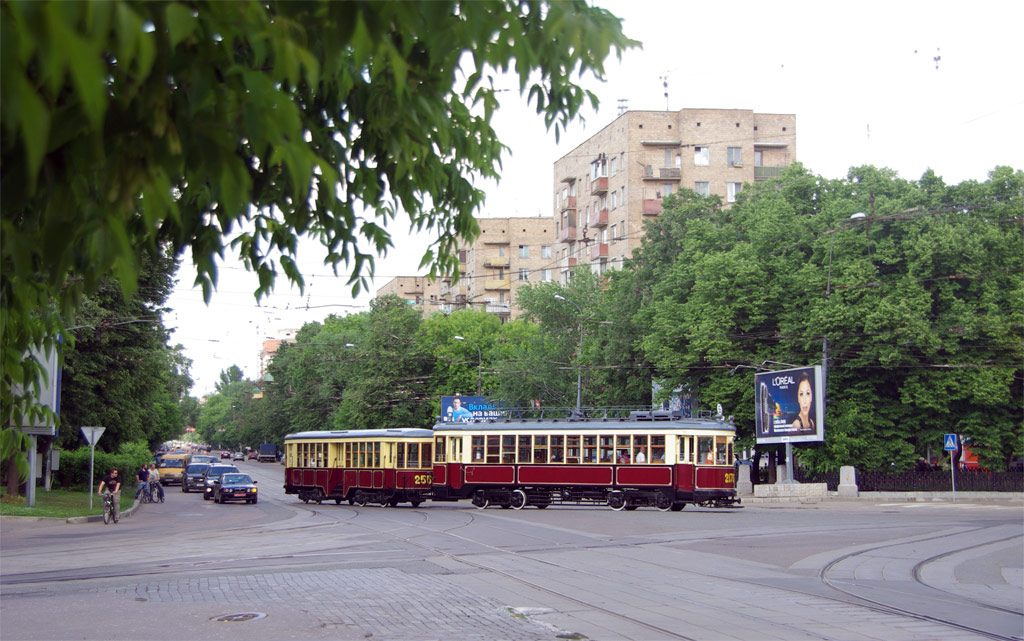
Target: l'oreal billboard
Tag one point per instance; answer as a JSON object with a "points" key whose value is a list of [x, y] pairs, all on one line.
{"points": [[789, 406], [463, 409]]}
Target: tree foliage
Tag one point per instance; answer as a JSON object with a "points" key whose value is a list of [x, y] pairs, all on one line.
{"points": [[127, 125], [923, 313]]}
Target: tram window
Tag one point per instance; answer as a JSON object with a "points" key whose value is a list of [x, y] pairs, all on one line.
{"points": [[721, 450], [607, 448], [640, 452], [508, 449], [540, 449], [413, 458], [493, 449], [658, 449], [557, 443], [304, 454], [524, 449], [590, 449], [572, 449], [478, 448], [457, 448], [705, 450], [319, 455], [686, 449], [376, 454], [400, 460], [439, 449], [425, 455], [347, 448]]}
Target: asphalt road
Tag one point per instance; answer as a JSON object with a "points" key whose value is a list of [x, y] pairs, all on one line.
{"points": [[281, 569]]}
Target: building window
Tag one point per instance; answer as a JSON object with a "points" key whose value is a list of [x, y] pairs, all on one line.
{"points": [[501, 273], [668, 158], [701, 156], [734, 156], [679, 161], [524, 251], [615, 166], [702, 188], [603, 266], [758, 158], [733, 189], [524, 274], [666, 189], [545, 275], [614, 235], [615, 199], [622, 198], [501, 250], [545, 251]]}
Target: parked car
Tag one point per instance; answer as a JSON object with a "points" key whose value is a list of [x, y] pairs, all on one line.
{"points": [[225, 454], [235, 487], [252, 455], [212, 478], [194, 477], [238, 456]]}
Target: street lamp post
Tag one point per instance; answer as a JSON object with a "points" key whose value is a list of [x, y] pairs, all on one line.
{"points": [[579, 351], [479, 364]]}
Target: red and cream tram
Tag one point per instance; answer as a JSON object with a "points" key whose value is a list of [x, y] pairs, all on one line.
{"points": [[386, 467], [646, 459]]}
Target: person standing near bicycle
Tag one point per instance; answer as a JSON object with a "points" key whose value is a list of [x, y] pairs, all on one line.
{"points": [[142, 476], [112, 481], [154, 481]]}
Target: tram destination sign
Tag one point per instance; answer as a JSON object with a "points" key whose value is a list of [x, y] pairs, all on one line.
{"points": [[789, 406]]}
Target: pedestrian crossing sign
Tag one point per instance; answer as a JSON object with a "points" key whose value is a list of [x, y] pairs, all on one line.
{"points": [[950, 440]]}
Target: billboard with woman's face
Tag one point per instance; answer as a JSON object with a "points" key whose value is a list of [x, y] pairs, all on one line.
{"points": [[789, 406]]}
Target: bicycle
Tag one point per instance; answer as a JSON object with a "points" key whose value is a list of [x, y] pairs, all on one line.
{"points": [[146, 493], [108, 508]]}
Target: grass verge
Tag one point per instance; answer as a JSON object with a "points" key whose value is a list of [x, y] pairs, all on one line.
{"points": [[59, 504]]}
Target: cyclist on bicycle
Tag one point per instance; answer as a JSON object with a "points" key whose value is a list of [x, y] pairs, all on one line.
{"points": [[154, 481], [142, 476], [112, 481]]}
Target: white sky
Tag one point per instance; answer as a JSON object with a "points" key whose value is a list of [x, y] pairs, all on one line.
{"points": [[843, 69]]}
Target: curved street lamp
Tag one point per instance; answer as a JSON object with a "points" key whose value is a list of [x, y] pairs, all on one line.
{"points": [[479, 366], [579, 351]]}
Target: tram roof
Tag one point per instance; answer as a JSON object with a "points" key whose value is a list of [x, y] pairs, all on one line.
{"points": [[587, 425], [398, 433]]}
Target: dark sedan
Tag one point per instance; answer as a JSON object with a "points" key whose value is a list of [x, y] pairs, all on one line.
{"points": [[194, 476], [212, 478], [235, 487]]}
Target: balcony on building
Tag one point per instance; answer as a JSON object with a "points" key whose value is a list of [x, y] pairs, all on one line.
{"points": [[651, 207], [497, 262], [598, 250], [767, 173], [569, 204], [567, 263], [598, 218], [498, 308], [662, 173], [498, 284], [599, 186], [567, 234]]}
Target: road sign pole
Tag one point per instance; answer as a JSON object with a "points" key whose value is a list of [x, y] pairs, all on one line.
{"points": [[92, 434], [952, 473], [92, 457]]}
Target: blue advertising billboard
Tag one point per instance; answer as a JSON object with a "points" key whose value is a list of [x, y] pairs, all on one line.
{"points": [[463, 409], [789, 406]]}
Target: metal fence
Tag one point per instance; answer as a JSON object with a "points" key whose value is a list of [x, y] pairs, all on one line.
{"points": [[930, 481]]}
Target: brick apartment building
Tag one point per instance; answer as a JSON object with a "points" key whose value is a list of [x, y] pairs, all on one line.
{"points": [[611, 183], [509, 253]]}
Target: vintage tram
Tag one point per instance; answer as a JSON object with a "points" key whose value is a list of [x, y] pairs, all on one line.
{"points": [[386, 467], [657, 459]]}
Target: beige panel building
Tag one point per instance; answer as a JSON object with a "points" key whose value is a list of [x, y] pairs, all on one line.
{"points": [[610, 184], [509, 253]]}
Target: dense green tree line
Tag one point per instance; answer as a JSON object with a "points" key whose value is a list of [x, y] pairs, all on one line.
{"points": [[921, 300]]}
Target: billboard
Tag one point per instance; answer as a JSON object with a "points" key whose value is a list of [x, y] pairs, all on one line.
{"points": [[789, 406], [463, 409]]}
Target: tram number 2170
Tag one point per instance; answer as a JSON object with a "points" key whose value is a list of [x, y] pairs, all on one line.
{"points": [[730, 477], [423, 479]]}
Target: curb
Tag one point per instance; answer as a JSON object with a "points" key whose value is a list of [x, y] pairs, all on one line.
{"points": [[92, 518]]}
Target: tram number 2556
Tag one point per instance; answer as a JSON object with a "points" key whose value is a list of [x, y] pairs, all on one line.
{"points": [[730, 477], [423, 479]]}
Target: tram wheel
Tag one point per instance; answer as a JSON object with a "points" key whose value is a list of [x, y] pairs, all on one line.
{"points": [[663, 503], [360, 498], [337, 501], [616, 500], [393, 502], [677, 507], [416, 503], [629, 508], [480, 500], [541, 506], [305, 499], [518, 499]]}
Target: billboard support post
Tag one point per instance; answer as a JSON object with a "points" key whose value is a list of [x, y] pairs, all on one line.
{"points": [[789, 463]]}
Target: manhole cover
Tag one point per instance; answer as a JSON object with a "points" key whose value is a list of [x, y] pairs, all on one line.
{"points": [[241, 616]]}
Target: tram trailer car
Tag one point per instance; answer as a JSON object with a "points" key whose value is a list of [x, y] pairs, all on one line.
{"points": [[656, 459], [386, 467]]}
